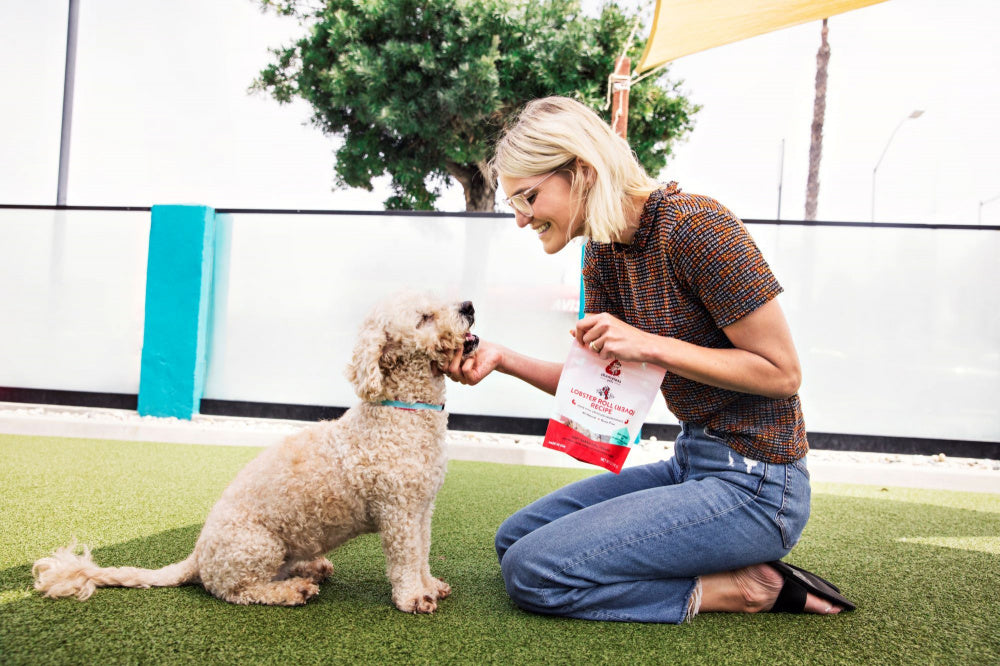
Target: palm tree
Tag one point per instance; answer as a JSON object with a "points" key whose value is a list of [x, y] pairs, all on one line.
{"points": [[819, 112]]}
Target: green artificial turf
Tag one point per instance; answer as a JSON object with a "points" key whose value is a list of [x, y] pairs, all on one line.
{"points": [[923, 567]]}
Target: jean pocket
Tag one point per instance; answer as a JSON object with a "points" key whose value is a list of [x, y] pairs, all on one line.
{"points": [[714, 436], [801, 465], [793, 513]]}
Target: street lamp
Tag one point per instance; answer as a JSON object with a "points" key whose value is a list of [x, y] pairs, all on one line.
{"points": [[915, 114], [983, 203], [69, 83]]}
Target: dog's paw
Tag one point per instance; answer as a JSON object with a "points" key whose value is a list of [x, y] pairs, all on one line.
{"points": [[306, 590], [317, 570], [442, 588], [424, 604], [320, 569]]}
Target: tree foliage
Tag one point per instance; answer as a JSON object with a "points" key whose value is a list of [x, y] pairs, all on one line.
{"points": [[420, 89]]}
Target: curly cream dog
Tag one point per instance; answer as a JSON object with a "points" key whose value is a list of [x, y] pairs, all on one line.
{"points": [[376, 469]]}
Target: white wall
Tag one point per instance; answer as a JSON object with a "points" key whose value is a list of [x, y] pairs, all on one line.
{"points": [[299, 286], [898, 329], [72, 299]]}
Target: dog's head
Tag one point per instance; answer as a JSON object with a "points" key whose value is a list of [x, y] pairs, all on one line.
{"points": [[407, 341]]}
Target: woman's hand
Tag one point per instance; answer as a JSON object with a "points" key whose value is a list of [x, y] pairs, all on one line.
{"points": [[762, 361], [474, 369], [543, 375], [610, 338]]}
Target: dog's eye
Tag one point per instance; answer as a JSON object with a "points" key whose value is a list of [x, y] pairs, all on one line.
{"points": [[424, 319]]}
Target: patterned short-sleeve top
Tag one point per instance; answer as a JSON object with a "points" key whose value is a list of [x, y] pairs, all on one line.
{"points": [[691, 270]]}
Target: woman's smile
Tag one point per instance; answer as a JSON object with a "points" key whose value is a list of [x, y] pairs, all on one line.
{"points": [[556, 214]]}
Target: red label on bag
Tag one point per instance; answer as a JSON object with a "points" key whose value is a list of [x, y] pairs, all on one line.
{"points": [[561, 437]]}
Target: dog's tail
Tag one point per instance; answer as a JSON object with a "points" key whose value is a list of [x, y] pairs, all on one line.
{"points": [[67, 574]]}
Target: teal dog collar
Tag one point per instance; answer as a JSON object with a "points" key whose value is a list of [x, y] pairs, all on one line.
{"points": [[412, 406]]}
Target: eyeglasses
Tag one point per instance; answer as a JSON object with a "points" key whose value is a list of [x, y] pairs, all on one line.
{"points": [[520, 203]]}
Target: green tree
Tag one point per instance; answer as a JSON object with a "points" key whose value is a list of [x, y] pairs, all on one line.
{"points": [[420, 89]]}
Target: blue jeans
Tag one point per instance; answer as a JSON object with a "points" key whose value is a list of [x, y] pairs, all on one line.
{"points": [[630, 547]]}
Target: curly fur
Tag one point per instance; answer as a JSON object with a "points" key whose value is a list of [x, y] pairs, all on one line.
{"points": [[376, 469]]}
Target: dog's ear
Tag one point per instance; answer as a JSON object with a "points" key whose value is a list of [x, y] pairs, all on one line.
{"points": [[365, 369]]}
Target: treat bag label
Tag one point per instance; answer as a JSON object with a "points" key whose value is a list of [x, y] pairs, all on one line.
{"points": [[600, 407]]}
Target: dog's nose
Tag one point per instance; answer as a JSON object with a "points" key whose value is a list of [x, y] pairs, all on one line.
{"points": [[466, 310]]}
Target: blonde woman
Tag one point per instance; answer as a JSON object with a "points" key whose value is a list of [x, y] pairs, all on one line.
{"points": [[672, 279]]}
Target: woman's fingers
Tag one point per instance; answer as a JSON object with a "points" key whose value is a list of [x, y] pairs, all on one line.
{"points": [[592, 327], [610, 337], [454, 369]]}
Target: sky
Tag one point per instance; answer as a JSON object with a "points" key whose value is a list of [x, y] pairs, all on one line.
{"points": [[162, 114]]}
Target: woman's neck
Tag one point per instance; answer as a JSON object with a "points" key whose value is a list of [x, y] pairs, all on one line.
{"points": [[633, 216]]}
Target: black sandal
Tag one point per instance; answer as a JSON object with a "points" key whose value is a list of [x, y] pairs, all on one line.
{"points": [[798, 583]]}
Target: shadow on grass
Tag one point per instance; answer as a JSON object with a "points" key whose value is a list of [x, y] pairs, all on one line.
{"points": [[353, 616]]}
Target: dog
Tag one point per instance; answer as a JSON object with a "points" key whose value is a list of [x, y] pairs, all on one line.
{"points": [[375, 469]]}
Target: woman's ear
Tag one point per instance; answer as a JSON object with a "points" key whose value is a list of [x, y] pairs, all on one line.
{"points": [[586, 172]]}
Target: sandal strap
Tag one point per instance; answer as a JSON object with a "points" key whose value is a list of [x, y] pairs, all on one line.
{"points": [[791, 599]]}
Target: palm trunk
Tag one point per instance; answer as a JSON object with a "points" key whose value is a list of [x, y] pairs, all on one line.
{"points": [[819, 112]]}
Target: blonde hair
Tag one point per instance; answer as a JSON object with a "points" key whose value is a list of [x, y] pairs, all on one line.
{"points": [[558, 133]]}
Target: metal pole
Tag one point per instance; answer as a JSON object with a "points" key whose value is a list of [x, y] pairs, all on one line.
{"points": [[67, 113], [983, 203], [620, 84], [781, 176], [914, 114]]}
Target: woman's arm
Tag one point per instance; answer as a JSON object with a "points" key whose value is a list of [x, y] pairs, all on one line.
{"points": [[543, 375], [762, 362]]}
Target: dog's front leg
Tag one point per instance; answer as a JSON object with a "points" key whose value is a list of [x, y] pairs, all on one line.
{"points": [[441, 588], [406, 560]]}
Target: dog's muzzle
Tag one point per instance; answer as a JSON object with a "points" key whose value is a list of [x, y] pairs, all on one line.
{"points": [[468, 312], [471, 343]]}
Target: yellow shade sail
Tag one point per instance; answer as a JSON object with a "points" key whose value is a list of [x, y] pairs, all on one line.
{"points": [[682, 27]]}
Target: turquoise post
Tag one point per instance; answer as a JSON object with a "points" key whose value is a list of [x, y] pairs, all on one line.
{"points": [[178, 299]]}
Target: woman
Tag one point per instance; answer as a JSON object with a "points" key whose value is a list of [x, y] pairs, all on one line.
{"points": [[674, 280]]}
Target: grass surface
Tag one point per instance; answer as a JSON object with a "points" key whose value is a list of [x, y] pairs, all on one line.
{"points": [[923, 567]]}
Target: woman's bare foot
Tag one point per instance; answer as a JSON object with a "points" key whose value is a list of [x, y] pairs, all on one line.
{"points": [[753, 589]]}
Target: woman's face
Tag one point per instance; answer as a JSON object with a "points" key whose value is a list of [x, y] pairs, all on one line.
{"points": [[557, 216]]}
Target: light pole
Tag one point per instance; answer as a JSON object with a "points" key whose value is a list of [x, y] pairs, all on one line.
{"points": [[69, 83], [983, 203], [781, 176], [914, 114]]}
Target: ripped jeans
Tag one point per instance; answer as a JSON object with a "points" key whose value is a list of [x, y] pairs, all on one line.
{"points": [[630, 547]]}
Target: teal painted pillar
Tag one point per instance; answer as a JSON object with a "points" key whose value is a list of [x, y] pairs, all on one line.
{"points": [[178, 297]]}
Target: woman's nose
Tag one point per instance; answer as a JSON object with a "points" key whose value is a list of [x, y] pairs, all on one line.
{"points": [[522, 219]]}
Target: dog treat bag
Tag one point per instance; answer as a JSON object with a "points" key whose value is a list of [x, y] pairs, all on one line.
{"points": [[600, 406]]}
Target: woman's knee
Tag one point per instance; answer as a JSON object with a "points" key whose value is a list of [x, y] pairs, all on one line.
{"points": [[523, 578], [507, 534]]}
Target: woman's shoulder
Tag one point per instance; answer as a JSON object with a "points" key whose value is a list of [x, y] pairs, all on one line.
{"points": [[679, 204], [682, 214]]}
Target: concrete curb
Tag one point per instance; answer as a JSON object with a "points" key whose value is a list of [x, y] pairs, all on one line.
{"points": [[821, 469], [86, 423]]}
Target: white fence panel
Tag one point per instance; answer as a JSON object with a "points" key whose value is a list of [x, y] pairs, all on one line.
{"points": [[72, 299]]}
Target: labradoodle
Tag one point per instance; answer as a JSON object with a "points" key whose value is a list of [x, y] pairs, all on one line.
{"points": [[376, 469]]}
